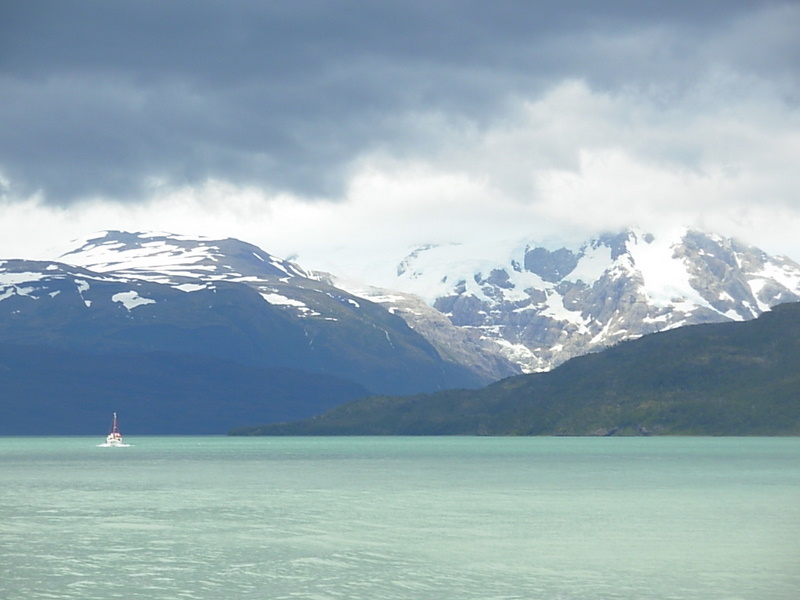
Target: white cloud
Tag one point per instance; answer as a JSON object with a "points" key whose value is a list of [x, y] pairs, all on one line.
{"points": [[559, 167]]}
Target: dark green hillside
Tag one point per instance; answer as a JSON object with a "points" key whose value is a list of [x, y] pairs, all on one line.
{"points": [[722, 379]]}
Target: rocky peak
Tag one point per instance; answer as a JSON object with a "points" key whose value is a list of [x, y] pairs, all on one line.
{"points": [[541, 306]]}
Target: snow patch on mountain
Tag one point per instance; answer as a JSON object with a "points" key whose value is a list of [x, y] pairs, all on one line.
{"points": [[666, 282], [274, 298], [131, 300], [83, 287], [192, 287], [10, 279], [592, 264]]}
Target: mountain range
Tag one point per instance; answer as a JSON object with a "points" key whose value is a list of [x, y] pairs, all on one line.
{"points": [[539, 307], [142, 320], [740, 378], [164, 311]]}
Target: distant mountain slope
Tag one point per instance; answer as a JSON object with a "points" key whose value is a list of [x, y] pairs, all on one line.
{"points": [[738, 378], [51, 391], [138, 323], [487, 316], [539, 306], [221, 298], [460, 345]]}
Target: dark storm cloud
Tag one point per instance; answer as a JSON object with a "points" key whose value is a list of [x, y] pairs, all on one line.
{"points": [[108, 98]]}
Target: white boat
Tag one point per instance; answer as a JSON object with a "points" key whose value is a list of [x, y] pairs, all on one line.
{"points": [[114, 438]]}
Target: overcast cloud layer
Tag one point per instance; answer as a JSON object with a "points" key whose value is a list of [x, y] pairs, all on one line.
{"points": [[327, 128]]}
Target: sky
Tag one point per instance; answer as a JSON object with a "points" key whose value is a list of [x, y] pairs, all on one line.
{"points": [[342, 134]]}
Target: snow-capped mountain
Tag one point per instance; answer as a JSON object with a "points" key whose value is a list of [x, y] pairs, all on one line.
{"points": [[193, 335], [119, 291], [164, 324], [180, 261], [190, 264], [539, 307]]}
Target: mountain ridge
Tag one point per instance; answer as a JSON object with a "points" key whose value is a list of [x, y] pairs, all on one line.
{"points": [[175, 293], [147, 294], [132, 297], [739, 378], [539, 306]]}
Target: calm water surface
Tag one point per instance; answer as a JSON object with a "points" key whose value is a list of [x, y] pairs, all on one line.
{"points": [[410, 518]]}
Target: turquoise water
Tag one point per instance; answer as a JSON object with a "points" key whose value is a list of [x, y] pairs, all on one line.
{"points": [[410, 518]]}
